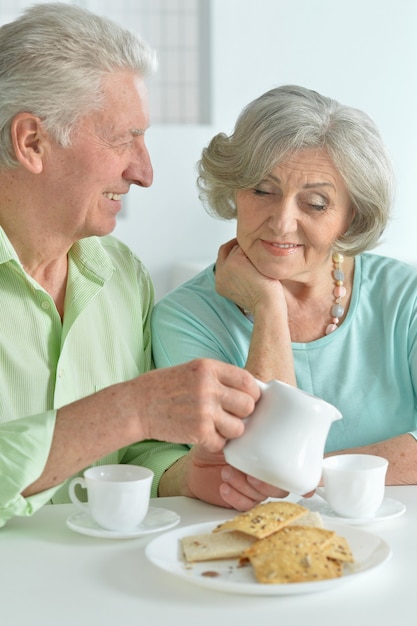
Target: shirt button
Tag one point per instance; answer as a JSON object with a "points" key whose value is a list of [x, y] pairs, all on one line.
{"points": [[45, 305], [60, 373]]}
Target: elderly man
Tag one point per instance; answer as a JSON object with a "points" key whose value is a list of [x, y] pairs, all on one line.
{"points": [[75, 345]]}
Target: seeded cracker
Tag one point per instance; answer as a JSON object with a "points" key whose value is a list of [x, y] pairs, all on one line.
{"points": [[231, 544], [292, 568], [297, 547], [311, 518], [294, 554], [302, 537], [339, 550], [264, 519]]}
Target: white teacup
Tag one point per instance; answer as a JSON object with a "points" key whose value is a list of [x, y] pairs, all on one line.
{"points": [[118, 495], [284, 438], [354, 484]]}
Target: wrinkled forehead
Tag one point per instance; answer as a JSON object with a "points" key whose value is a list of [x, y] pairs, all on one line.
{"points": [[124, 107], [314, 163]]}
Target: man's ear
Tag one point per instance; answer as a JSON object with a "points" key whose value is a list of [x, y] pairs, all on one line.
{"points": [[29, 141]]}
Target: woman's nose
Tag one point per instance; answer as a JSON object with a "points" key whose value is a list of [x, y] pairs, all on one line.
{"points": [[283, 218]]}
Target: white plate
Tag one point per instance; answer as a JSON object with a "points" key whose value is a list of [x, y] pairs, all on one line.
{"points": [[156, 519], [165, 552], [388, 510]]}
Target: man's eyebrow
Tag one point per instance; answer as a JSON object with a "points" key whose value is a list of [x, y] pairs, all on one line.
{"points": [[136, 132]]}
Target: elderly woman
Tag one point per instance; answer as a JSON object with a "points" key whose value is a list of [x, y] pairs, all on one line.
{"points": [[296, 296]]}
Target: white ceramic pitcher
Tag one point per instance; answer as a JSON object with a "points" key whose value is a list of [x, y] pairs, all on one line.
{"points": [[284, 438]]}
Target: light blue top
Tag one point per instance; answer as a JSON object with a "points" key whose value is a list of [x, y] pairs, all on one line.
{"points": [[45, 363], [367, 368]]}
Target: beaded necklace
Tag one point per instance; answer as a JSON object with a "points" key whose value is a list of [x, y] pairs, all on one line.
{"points": [[339, 292]]}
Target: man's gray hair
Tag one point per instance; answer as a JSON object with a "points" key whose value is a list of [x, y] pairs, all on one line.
{"points": [[53, 60]]}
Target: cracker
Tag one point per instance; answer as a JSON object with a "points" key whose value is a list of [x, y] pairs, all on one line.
{"points": [[339, 550], [289, 567], [284, 543], [301, 538], [293, 554], [311, 518], [264, 519], [207, 547]]}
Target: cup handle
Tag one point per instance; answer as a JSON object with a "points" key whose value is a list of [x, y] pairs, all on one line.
{"points": [[74, 498]]}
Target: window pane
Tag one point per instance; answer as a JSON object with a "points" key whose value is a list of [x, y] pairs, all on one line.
{"points": [[180, 92]]}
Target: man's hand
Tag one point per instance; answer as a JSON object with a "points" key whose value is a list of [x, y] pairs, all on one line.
{"points": [[202, 401]]}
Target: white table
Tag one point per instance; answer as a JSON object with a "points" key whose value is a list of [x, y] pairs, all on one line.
{"points": [[52, 576]]}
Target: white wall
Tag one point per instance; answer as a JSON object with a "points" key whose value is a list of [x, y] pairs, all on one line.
{"points": [[166, 224], [362, 52]]}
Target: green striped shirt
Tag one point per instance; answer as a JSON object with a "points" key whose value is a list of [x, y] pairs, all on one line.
{"points": [[46, 363]]}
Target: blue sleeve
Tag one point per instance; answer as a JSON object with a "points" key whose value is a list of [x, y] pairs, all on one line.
{"points": [[193, 321]]}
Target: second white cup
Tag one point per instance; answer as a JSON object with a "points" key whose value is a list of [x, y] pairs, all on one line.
{"points": [[354, 484], [118, 495]]}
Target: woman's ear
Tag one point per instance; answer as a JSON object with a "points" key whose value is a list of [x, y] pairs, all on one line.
{"points": [[29, 141]]}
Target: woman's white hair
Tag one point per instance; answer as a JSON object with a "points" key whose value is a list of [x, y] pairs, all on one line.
{"points": [[53, 60], [284, 121]]}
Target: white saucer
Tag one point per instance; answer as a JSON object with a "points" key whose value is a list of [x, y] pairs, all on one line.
{"points": [[156, 519], [388, 510]]}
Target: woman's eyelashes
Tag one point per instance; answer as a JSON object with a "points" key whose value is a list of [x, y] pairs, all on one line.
{"points": [[315, 203]]}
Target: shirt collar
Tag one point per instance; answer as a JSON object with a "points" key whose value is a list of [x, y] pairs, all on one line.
{"points": [[90, 257], [7, 252], [88, 254]]}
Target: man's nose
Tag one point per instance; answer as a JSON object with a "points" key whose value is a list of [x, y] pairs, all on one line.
{"points": [[140, 170]]}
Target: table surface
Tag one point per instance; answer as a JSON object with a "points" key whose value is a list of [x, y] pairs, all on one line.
{"points": [[53, 576]]}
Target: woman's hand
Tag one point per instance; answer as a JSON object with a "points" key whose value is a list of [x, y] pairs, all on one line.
{"points": [[206, 476], [270, 351], [238, 280]]}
